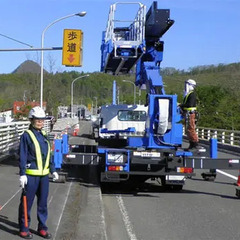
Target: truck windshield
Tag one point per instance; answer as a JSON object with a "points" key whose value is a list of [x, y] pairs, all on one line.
{"points": [[126, 115]]}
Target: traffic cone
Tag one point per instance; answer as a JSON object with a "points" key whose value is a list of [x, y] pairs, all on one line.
{"points": [[238, 181], [76, 130], [53, 143]]}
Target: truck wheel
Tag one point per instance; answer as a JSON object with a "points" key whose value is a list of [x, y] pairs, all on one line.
{"points": [[62, 178], [177, 187], [163, 181]]}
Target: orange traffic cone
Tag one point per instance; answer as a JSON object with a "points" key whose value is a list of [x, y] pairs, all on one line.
{"points": [[53, 143], [53, 146], [238, 181], [76, 130]]}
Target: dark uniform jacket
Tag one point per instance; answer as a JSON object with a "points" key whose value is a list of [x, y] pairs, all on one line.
{"points": [[27, 154]]}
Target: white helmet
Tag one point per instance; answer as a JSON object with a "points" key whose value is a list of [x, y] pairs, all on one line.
{"points": [[37, 112], [191, 82]]}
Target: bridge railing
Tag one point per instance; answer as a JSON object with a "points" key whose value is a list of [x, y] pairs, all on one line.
{"points": [[228, 137], [10, 134]]}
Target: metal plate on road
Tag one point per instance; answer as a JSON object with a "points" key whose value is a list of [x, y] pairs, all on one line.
{"points": [[233, 161], [70, 156]]}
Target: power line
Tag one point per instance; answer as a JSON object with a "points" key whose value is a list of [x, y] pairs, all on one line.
{"points": [[16, 40]]}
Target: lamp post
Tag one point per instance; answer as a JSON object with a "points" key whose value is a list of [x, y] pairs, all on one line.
{"points": [[96, 105], [81, 14], [72, 91], [134, 90]]}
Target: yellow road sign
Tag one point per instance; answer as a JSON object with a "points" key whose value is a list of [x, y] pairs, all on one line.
{"points": [[72, 47], [89, 106]]}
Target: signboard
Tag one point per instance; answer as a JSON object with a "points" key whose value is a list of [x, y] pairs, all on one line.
{"points": [[72, 47], [89, 106]]}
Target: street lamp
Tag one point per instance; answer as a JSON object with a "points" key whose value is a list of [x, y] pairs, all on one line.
{"points": [[96, 104], [72, 91], [134, 90], [81, 14]]}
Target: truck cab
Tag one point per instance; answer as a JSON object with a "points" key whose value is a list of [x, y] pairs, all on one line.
{"points": [[118, 122]]}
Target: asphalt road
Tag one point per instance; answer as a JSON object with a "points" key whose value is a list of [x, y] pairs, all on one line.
{"points": [[74, 207], [79, 210], [203, 210]]}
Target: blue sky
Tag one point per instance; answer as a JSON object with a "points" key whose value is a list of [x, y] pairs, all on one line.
{"points": [[205, 31]]}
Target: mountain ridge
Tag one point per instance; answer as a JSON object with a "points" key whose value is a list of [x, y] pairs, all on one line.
{"points": [[29, 66]]}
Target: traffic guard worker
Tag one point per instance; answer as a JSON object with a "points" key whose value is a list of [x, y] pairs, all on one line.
{"points": [[35, 164]]}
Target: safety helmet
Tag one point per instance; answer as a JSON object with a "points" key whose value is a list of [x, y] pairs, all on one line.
{"points": [[37, 112], [191, 82]]}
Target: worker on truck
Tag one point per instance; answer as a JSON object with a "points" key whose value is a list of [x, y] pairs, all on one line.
{"points": [[35, 165], [189, 110]]}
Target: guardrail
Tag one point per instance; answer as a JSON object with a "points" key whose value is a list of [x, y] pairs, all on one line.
{"points": [[227, 137], [10, 134]]}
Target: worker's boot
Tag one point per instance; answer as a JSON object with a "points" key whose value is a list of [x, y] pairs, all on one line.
{"points": [[194, 146], [45, 234], [26, 235], [191, 145]]}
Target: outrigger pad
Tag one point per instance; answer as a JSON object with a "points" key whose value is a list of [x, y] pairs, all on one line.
{"points": [[209, 176]]}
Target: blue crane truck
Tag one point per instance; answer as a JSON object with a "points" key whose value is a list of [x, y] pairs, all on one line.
{"points": [[122, 151]]}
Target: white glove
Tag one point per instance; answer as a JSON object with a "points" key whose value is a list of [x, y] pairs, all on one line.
{"points": [[23, 180], [55, 176]]}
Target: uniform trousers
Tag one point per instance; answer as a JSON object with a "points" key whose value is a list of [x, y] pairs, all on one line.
{"points": [[36, 186], [191, 128]]}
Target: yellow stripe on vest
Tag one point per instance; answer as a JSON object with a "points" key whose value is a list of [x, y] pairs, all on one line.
{"points": [[40, 171], [184, 102]]}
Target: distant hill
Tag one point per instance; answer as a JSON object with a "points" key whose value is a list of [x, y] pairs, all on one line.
{"points": [[218, 90], [28, 66], [225, 75]]}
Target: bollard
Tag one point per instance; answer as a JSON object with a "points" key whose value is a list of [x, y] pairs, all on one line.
{"points": [[213, 148], [213, 153], [58, 153], [65, 146]]}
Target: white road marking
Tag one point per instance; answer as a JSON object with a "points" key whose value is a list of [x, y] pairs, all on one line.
{"points": [[5, 204], [51, 197], [126, 219], [227, 174], [103, 222], [60, 218], [10, 198]]}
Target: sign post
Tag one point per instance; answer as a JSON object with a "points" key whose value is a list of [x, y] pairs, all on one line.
{"points": [[72, 47]]}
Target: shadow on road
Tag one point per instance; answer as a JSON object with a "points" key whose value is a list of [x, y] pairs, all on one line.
{"points": [[217, 182], [84, 174], [8, 226], [145, 190], [9, 160]]}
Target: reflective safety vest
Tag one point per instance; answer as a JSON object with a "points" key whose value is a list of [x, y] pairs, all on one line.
{"points": [[184, 102], [40, 171]]}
